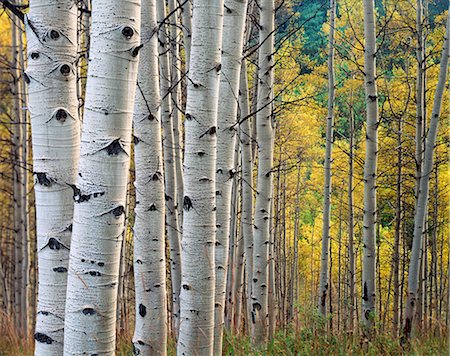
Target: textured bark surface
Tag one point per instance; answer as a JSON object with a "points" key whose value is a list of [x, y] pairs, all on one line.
{"points": [[171, 187], [232, 45], [100, 191], [324, 276], [150, 334], [265, 133], [370, 170], [199, 218], [246, 186], [52, 54], [423, 193]]}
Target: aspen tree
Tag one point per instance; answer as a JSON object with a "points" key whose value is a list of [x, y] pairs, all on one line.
{"points": [[370, 170], [199, 219], [423, 193], [100, 190], [150, 334], [265, 132], [52, 56], [324, 276], [232, 45], [171, 187], [246, 185]]}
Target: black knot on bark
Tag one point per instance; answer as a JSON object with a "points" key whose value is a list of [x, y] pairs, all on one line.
{"points": [[187, 203], [61, 115], [34, 55], [142, 310], [88, 311], [212, 130], [114, 148], [27, 78], [54, 244], [157, 176], [128, 32], [43, 179], [54, 35], [186, 287], [188, 116], [42, 338], [65, 70], [60, 269], [372, 98], [256, 306], [136, 50], [94, 273], [136, 140], [152, 208], [117, 211]]}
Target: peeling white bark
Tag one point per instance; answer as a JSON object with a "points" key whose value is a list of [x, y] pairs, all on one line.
{"points": [[199, 218], [100, 191], [150, 334], [232, 46], [265, 132], [52, 54]]}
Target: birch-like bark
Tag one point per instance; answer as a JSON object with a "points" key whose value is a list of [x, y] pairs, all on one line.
{"points": [[232, 45], [370, 170], [52, 54], [172, 223], [175, 84], [150, 334], [199, 218], [246, 186], [261, 233], [324, 277], [423, 193], [101, 187], [398, 221], [186, 19]]}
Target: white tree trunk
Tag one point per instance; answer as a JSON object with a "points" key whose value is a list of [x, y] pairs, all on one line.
{"points": [[423, 193], [100, 191], [199, 218], [370, 170], [175, 83], [52, 55], [150, 334], [186, 18], [171, 188], [324, 276], [261, 233], [232, 45], [246, 186]]}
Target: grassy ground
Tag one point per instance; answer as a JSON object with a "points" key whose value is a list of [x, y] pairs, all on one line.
{"points": [[296, 340]]}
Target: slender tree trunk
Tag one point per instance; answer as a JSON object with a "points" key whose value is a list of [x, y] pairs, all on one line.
{"points": [[265, 131], [423, 193], [171, 187], [398, 227], [150, 334], [175, 84], [100, 191], [324, 277], [246, 187], [199, 219], [232, 44], [52, 54], [351, 224], [370, 171], [186, 18]]}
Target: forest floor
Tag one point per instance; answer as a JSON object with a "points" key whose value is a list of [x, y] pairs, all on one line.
{"points": [[303, 342]]}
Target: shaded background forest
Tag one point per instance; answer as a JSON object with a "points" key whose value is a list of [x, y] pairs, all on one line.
{"points": [[300, 113]]}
